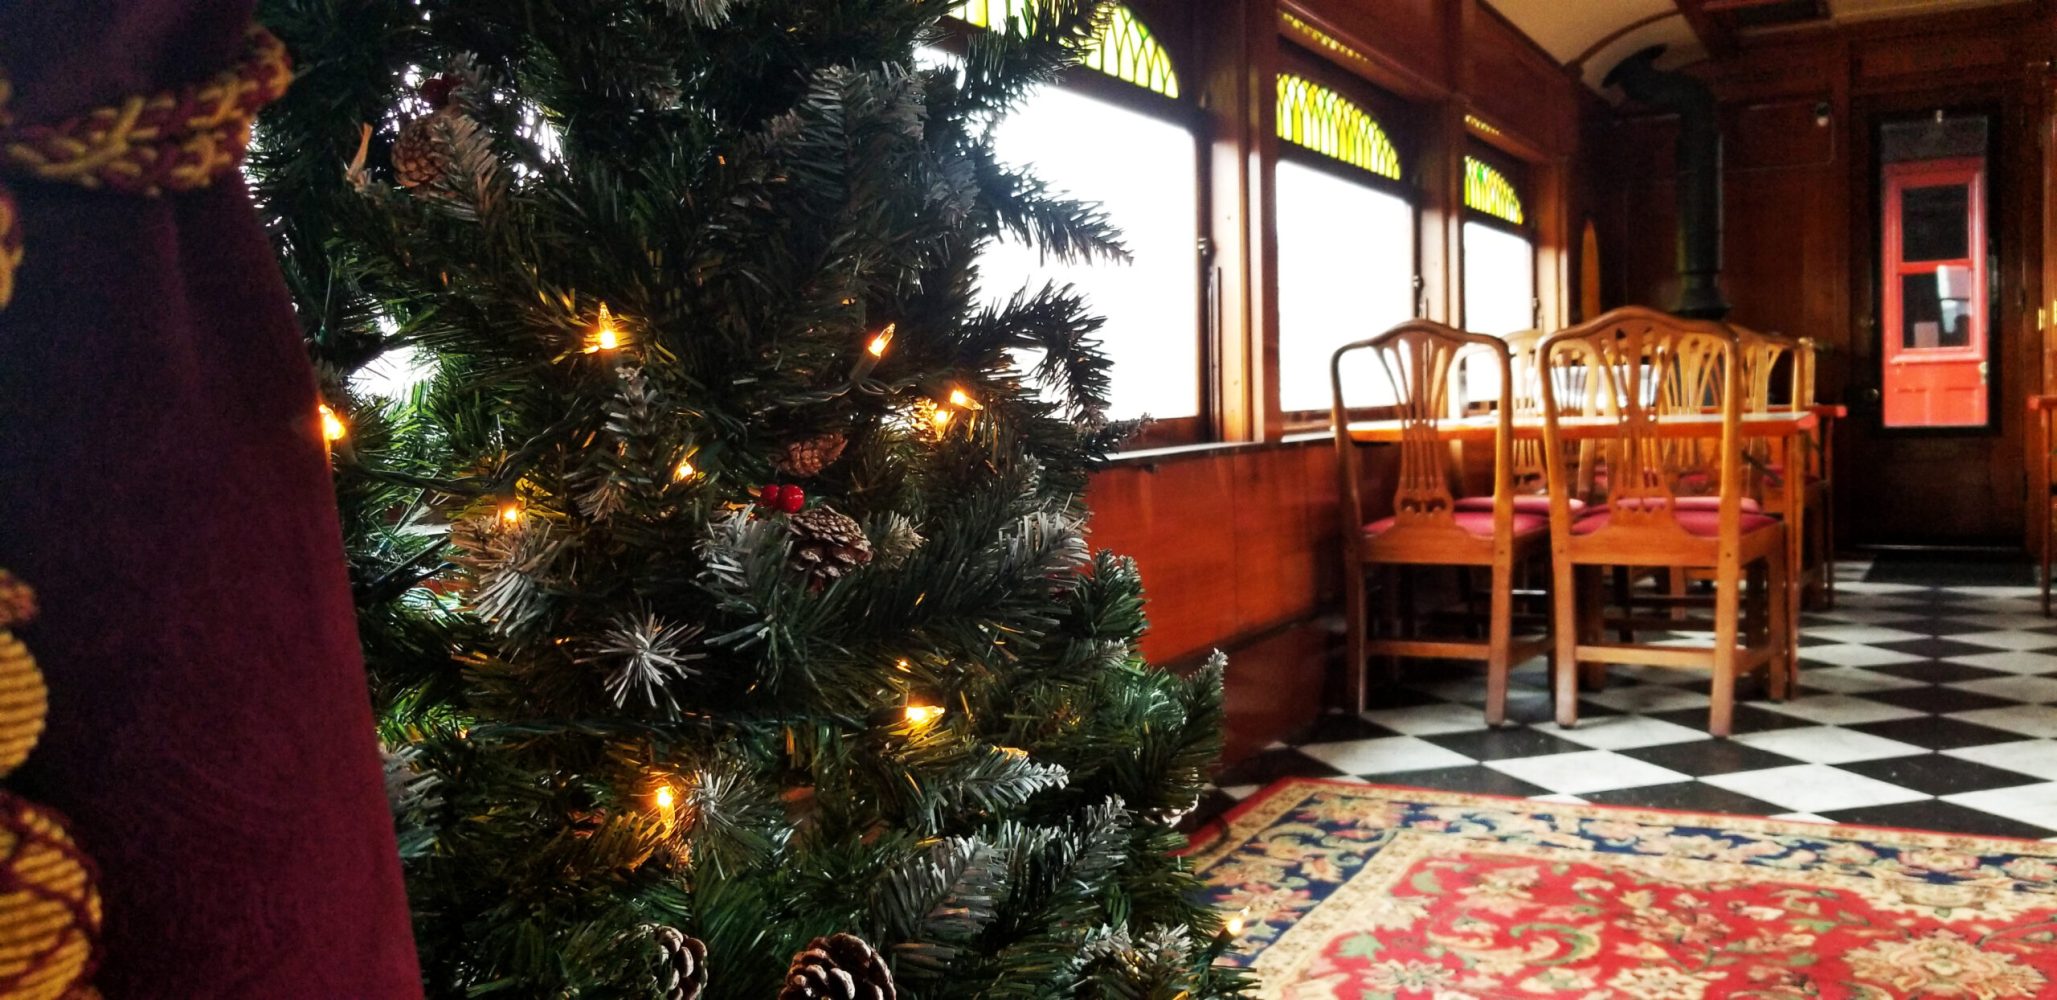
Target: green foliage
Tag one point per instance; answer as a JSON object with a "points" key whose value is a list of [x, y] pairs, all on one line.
{"points": [[752, 189]]}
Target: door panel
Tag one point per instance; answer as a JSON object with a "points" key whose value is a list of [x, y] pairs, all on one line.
{"points": [[1933, 282]]}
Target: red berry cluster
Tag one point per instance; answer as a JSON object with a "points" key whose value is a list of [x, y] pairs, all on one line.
{"points": [[783, 499], [436, 90]]}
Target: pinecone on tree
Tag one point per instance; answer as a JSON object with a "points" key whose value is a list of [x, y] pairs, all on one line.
{"points": [[841, 967], [421, 155], [808, 456], [827, 545], [684, 976]]}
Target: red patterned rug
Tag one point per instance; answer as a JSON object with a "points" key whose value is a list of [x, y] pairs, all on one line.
{"points": [[1369, 893]]}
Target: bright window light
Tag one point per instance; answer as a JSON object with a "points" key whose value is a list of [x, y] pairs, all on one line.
{"points": [[1345, 272], [1499, 280], [1143, 170]]}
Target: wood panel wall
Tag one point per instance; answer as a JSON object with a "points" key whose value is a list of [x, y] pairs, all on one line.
{"points": [[1238, 543], [1797, 220]]}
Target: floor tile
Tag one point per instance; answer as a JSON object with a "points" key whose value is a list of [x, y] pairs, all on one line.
{"points": [[1624, 731], [1868, 634], [1852, 680], [1559, 798], [1710, 757], [1871, 616], [1589, 771], [1934, 774], [1337, 726], [2028, 720], [1938, 700], [2032, 690], [1977, 615], [1851, 654], [1694, 796], [1840, 709], [1643, 698], [1805, 818], [2036, 758], [1241, 792], [1992, 595], [1865, 588], [1749, 718], [1423, 720], [1938, 671], [2011, 663], [1826, 744], [2035, 803], [1271, 765], [1937, 648], [2015, 639], [1383, 756], [1816, 788], [1947, 817], [1937, 733], [1476, 779], [1499, 744]]}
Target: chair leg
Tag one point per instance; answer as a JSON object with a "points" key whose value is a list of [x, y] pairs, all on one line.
{"points": [[1624, 595], [1679, 580], [1564, 630], [1828, 548], [1728, 586], [1592, 598], [1358, 608], [1499, 643], [1784, 667]]}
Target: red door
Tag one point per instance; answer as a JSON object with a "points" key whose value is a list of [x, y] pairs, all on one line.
{"points": [[1934, 286]]}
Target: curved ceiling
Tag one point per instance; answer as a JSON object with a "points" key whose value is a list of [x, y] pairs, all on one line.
{"points": [[1594, 35]]}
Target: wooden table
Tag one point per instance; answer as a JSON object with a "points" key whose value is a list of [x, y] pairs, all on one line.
{"points": [[1788, 427]]}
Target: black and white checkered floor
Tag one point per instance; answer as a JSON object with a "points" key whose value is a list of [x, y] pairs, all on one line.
{"points": [[1921, 706]]}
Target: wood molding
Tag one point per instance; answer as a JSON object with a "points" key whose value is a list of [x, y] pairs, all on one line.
{"points": [[1720, 41]]}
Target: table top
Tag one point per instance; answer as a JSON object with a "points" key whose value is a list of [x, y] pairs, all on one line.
{"points": [[1481, 427]]}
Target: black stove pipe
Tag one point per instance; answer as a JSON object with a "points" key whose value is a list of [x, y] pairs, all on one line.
{"points": [[1699, 179]]}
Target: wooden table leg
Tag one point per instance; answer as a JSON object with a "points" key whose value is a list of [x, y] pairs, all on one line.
{"points": [[1794, 485]]}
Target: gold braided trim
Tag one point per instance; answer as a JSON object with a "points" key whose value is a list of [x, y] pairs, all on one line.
{"points": [[172, 141]]}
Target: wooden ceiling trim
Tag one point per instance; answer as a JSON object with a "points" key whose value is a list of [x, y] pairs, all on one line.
{"points": [[1715, 35]]}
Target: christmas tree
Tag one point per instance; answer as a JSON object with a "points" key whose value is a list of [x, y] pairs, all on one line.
{"points": [[721, 562]]}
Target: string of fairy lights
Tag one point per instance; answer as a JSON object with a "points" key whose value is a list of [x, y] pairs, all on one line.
{"points": [[606, 335]]}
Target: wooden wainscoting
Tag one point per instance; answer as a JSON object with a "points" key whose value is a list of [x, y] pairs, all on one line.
{"points": [[1238, 550]]}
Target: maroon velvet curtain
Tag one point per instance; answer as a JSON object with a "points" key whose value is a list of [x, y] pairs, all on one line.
{"points": [[163, 487]]}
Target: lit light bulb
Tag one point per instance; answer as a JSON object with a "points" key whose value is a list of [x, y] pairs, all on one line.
{"points": [[922, 715], [1235, 926], [962, 400], [942, 417], [877, 347], [667, 806], [684, 471], [665, 797], [510, 511], [332, 429], [605, 336]]}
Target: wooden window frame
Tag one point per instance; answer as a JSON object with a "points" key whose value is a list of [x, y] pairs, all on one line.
{"points": [[1394, 117], [1516, 173], [1182, 111]]}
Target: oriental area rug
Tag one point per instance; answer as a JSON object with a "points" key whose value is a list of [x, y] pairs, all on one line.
{"points": [[1366, 892]]}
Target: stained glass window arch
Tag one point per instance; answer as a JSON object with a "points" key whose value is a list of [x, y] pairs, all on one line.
{"points": [[1488, 190], [1124, 49], [1325, 121]]}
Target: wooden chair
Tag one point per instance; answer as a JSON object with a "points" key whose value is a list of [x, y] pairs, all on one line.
{"points": [[1421, 359], [1644, 367]]}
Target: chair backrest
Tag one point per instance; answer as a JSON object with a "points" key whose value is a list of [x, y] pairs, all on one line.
{"points": [[1421, 359], [1526, 399], [1761, 354], [1641, 369]]}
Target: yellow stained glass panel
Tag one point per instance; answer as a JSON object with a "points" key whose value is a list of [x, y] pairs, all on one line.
{"points": [[1124, 48], [1322, 120], [1489, 191]]}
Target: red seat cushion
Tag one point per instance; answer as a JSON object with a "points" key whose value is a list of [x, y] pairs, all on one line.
{"points": [[1706, 523], [1749, 504], [1526, 503], [1479, 523]]}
